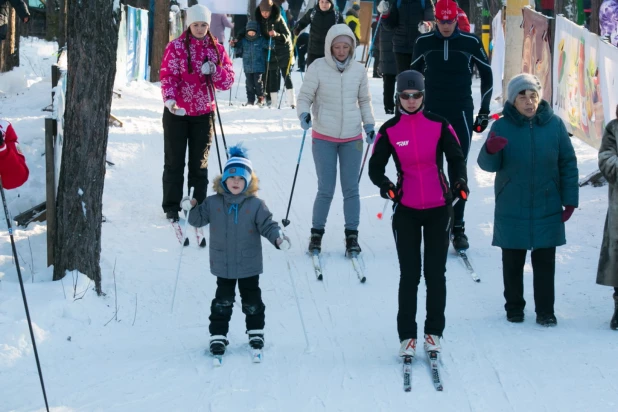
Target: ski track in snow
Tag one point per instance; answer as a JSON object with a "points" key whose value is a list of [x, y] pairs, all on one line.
{"points": [[161, 362]]}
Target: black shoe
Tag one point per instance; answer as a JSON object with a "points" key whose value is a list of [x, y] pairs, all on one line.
{"points": [[351, 242], [256, 339], [614, 322], [218, 343], [172, 215], [459, 238], [377, 76], [389, 111], [249, 104], [546, 319], [516, 317], [315, 242]]}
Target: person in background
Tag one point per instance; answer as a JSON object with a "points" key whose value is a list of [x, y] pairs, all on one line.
{"points": [[418, 140], [353, 21], [407, 18], [253, 45], [218, 23], [302, 43], [608, 21], [447, 56], [20, 6], [536, 192], [375, 37], [321, 18], [336, 91], [273, 27], [607, 272], [194, 66], [13, 169], [388, 67]]}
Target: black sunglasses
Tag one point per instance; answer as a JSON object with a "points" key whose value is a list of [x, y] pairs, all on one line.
{"points": [[416, 95]]}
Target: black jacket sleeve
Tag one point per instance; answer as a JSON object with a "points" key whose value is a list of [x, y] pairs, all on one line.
{"points": [[382, 151], [418, 56], [429, 13], [452, 150], [21, 8], [487, 80], [304, 21]]}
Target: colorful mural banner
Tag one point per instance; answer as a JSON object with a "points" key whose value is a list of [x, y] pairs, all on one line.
{"points": [[584, 76], [536, 53], [497, 49], [121, 52]]}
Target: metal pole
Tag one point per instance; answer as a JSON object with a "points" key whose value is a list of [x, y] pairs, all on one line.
{"points": [[285, 221]]}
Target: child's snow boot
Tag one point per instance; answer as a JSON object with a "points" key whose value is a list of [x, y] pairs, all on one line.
{"points": [[256, 338], [218, 343]]}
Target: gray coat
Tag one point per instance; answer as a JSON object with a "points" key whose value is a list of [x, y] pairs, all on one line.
{"points": [[536, 175], [607, 273], [236, 223]]}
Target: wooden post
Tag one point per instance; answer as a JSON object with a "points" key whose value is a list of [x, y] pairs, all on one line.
{"points": [[514, 36], [55, 78], [595, 5], [50, 184]]}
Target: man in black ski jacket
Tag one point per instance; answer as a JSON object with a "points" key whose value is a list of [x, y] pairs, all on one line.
{"points": [[322, 17], [20, 7], [406, 18], [446, 57]]}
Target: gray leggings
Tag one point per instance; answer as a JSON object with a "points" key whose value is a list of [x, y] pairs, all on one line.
{"points": [[325, 155]]}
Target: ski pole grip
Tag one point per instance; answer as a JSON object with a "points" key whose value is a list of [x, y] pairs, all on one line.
{"points": [[463, 195], [391, 194]]}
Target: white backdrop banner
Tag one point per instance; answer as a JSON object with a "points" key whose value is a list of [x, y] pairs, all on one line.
{"points": [[226, 6]]}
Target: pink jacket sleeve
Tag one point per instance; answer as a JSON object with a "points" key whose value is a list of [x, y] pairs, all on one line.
{"points": [[170, 73], [223, 77]]}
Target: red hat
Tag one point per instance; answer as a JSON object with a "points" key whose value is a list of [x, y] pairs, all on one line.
{"points": [[446, 10]]}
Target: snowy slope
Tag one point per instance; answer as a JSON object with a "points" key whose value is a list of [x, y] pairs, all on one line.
{"points": [[152, 360]]}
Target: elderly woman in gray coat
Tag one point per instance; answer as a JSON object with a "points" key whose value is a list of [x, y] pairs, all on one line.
{"points": [[607, 273], [536, 176]]}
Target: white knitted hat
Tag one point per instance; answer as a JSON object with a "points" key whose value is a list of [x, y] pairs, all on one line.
{"points": [[198, 13]]}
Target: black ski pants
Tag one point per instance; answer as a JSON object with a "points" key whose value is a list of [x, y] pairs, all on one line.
{"points": [[254, 85], [403, 60], [543, 269], [389, 81], [178, 133], [410, 228], [461, 119], [274, 79], [222, 304]]}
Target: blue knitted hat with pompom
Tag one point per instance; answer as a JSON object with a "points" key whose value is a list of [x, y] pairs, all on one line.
{"points": [[237, 165]]}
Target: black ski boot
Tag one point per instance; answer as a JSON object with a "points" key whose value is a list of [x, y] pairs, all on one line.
{"points": [[351, 242], [315, 241], [458, 237], [172, 215], [614, 322], [546, 319], [256, 338], [218, 343]]}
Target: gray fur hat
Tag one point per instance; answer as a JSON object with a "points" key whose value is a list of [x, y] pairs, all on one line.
{"points": [[410, 79], [521, 82]]}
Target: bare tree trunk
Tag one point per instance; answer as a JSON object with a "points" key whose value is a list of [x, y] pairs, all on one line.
{"points": [[62, 22], [9, 48], [51, 20], [595, 5], [92, 39], [160, 38]]}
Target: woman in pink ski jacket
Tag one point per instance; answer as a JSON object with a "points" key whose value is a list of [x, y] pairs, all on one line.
{"points": [[417, 141], [194, 65]]}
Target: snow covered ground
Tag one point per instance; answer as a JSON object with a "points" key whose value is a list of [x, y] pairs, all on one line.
{"points": [[149, 359]]}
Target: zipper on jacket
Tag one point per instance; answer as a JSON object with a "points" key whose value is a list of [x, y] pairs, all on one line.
{"points": [[445, 50], [532, 149], [342, 111]]}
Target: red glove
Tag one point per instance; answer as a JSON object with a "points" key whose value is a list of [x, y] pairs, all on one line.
{"points": [[567, 212], [13, 169], [495, 143]]}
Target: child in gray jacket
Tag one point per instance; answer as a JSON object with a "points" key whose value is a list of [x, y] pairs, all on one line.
{"points": [[237, 218]]}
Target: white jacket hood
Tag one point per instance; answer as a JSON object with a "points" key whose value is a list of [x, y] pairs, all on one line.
{"points": [[334, 32]]}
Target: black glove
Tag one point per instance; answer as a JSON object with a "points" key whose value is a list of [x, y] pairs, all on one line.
{"points": [[389, 191], [1, 138], [481, 122], [458, 187]]}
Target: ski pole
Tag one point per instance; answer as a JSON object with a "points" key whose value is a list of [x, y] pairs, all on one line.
{"points": [[23, 293], [231, 87], [363, 165], [373, 41], [381, 214], [214, 95], [214, 128], [239, 81], [182, 247], [285, 221], [270, 41]]}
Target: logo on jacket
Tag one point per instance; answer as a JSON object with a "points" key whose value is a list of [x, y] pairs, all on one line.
{"points": [[401, 144]]}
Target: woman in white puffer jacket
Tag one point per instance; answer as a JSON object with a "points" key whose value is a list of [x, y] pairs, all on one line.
{"points": [[337, 88]]}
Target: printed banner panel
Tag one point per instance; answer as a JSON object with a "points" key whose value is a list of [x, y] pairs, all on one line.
{"points": [[497, 49], [536, 53]]}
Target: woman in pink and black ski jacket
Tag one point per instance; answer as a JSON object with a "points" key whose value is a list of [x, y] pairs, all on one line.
{"points": [[417, 141], [194, 66]]}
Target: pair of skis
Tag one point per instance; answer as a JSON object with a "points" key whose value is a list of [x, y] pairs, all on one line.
{"points": [[256, 357], [199, 234], [434, 364], [353, 256]]}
